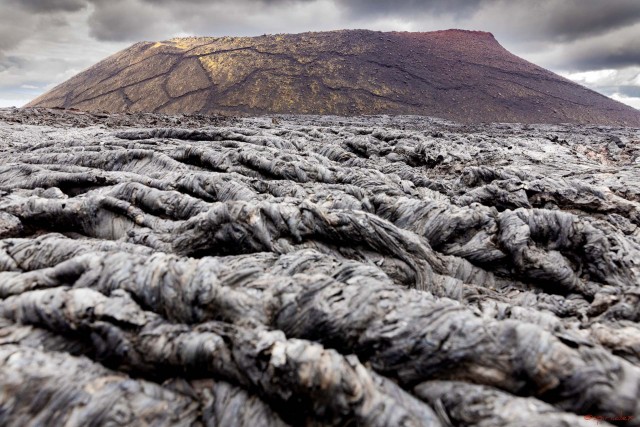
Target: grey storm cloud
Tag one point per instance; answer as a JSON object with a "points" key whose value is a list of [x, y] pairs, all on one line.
{"points": [[410, 7], [520, 21], [121, 20], [561, 20], [48, 6], [633, 91], [614, 57], [614, 49], [550, 20], [571, 19], [7, 62]]}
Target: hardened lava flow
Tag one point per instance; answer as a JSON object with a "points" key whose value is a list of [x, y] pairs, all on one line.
{"points": [[317, 270]]}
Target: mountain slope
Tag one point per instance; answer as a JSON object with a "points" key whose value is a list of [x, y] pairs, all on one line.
{"points": [[459, 75]]}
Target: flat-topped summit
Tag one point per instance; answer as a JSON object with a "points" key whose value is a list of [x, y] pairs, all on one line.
{"points": [[453, 74]]}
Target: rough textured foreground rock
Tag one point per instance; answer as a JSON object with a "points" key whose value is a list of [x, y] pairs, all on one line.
{"points": [[457, 75], [186, 270]]}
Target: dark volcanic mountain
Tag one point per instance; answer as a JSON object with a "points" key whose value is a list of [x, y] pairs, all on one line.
{"points": [[459, 75]]}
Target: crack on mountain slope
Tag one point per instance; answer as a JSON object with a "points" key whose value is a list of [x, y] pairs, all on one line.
{"points": [[116, 74]]}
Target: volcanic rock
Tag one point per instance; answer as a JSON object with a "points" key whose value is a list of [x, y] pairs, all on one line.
{"points": [[466, 76], [315, 270]]}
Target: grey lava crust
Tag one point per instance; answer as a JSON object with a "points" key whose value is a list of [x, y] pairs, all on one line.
{"points": [[316, 270]]}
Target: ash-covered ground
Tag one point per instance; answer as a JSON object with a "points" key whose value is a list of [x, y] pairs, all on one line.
{"points": [[188, 270]]}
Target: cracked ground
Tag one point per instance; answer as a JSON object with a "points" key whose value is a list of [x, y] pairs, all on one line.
{"points": [[310, 270]]}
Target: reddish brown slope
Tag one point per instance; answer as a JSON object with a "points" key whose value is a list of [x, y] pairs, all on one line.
{"points": [[460, 75]]}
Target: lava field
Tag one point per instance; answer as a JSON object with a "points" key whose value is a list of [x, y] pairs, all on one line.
{"points": [[317, 270]]}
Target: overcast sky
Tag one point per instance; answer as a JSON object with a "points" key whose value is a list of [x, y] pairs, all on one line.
{"points": [[44, 42]]}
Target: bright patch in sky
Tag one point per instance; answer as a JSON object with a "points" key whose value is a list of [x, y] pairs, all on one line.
{"points": [[634, 102], [13, 102], [610, 82], [590, 77]]}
